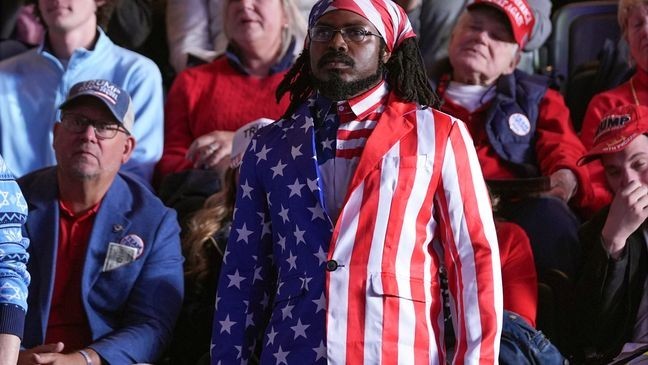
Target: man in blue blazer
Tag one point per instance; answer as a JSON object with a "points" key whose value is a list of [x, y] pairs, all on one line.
{"points": [[106, 265]]}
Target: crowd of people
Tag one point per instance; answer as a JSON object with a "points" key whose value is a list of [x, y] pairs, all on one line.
{"points": [[313, 181]]}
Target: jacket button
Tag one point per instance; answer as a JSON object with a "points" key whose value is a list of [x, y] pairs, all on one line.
{"points": [[331, 265]]}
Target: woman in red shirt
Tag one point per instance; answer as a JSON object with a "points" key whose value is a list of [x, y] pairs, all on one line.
{"points": [[207, 103]]}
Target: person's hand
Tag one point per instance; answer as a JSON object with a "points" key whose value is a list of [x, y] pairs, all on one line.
{"points": [[39, 354], [211, 150], [29, 29], [629, 209], [563, 185]]}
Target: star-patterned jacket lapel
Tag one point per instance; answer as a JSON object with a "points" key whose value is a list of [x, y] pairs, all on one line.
{"points": [[300, 136]]}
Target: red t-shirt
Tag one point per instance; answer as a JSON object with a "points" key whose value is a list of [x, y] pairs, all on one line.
{"points": [[67, 319]]}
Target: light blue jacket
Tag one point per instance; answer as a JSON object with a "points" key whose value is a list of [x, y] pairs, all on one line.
{"points": [[35, 83]]}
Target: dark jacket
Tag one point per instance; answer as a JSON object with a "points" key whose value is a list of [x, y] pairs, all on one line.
{"points": [[517, 94], [607, 293]]}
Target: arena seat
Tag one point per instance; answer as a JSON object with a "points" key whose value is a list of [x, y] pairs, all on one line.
{"points": [[583, 54], [579, 32]]}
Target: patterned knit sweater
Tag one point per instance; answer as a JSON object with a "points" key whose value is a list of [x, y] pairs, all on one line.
{"points": [[14, 277], [210, 97]]}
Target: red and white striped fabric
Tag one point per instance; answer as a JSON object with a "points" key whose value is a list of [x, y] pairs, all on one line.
{"points": [[357, 118], [416, 202], [425, 206], [390, 20]]}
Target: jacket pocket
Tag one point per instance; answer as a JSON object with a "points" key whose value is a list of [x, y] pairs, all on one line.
{"points": [[289, 292], [398, 172], [410, 162], [289, 288], [387, 284]]}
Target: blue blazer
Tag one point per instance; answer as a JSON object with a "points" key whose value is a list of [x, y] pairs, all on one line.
{"points": [[132, 309]]}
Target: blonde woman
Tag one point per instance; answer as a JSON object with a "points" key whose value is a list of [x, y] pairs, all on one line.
{"points": [[207, 103], [195, 29]]}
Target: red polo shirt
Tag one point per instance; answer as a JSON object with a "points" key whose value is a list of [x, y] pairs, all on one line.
{"points": [[67, 320]]}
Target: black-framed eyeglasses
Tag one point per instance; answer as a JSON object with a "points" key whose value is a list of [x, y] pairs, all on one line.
{"points": [[103, 129], [354, 33]]}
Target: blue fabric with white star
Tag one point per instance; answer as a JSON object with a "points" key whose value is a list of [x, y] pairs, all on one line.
{"points": [[271, 285], [327, 123]]}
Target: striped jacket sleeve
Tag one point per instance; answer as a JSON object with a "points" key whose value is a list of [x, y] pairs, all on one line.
{"points": [[471, 253], [247, 275]]}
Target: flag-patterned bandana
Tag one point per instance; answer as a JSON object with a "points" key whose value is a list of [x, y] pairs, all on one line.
{"points": [[389, 19]]}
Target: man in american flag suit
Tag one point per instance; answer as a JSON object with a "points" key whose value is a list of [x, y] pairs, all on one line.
{"points": [[350, 205]]}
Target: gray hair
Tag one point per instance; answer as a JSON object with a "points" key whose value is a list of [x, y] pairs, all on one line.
{"points": [[296, 28], [625, 9]]}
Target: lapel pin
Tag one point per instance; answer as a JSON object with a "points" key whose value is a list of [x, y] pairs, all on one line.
{"points": [[135, 241]]}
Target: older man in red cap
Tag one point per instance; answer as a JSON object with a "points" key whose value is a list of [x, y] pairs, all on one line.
{"points": [[521, 128], [612, 305], [351, 205]]}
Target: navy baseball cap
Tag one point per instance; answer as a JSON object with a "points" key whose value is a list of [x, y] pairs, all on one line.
{"points": [[115, 98]]}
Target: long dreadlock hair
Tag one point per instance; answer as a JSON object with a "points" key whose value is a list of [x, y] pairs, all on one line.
{"points": [[405, 75]]}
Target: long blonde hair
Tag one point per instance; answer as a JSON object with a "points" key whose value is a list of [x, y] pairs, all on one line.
{"points": [[199, 240]]}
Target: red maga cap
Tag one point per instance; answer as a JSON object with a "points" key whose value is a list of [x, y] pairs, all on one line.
{"points": [[617, 129], [519, 13]]}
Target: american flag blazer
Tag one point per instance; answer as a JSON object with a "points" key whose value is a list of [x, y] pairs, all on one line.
{"points": [[301, 290]]}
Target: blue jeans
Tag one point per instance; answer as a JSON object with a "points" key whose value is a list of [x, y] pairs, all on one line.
{"points": [[522, 344]]}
